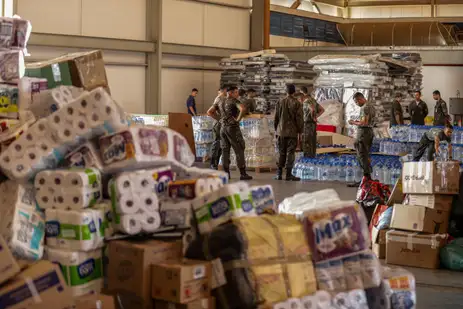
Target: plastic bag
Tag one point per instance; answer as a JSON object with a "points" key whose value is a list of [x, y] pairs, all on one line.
{"points": [[372, 193], [451, 256]]}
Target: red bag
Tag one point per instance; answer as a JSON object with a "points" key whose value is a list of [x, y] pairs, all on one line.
{"points": [[372, 193]]}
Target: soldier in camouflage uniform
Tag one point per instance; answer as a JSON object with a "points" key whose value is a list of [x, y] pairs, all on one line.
{"points": [[441, 114], [364, 133], [312, 110], [216, 150], [230, 133], [289, 123]]}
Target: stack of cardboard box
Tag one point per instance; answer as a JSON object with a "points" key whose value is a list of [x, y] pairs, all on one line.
{"points": [[419, 227]]}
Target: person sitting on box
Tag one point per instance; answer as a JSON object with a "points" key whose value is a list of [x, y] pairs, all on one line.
{"points": [[430, 141]]}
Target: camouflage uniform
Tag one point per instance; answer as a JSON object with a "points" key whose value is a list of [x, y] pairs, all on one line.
{"points": [[441, 114], [365, 138], [230, 134], [309, 137], [289, 122], [427, 144], [216, 151]]}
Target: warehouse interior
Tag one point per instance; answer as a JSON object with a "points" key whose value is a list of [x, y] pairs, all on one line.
{"points": [[156, 51]]}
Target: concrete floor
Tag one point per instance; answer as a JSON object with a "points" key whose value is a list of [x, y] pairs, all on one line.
{"points": [[436, 289]]}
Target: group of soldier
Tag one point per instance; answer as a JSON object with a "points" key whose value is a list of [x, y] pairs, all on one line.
{"points": [[295, 123]]}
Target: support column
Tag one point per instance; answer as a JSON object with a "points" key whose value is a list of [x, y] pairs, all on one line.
{"points": [[266, 24], [257, 25], [154, 59]]}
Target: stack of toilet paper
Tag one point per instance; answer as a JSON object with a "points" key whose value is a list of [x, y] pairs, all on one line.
{"points": [[49, 101], [49, 139], [162, 176], [84, 156], [145, 147], [83, 271], [355, 299], [72, 189], [12, 64], [193, 188], [220, 206], [135, 203], [263, 199], [177, 214], [22, 225]]}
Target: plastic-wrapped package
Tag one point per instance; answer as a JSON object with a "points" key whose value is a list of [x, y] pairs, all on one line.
{"points": [[333, 114], [401, 283], [49, 139], [342, 59], [304, 201], [151, 120], [336, 230]]}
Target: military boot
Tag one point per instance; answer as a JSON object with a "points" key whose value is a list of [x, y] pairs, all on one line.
{"points": [[244, 175], [290, 177], [228, 173], [279, 175]]}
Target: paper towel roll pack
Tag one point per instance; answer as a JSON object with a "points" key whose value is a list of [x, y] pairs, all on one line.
{"points": [[360, 271], [22, 225], [18, 34], [107, 226], [355, 299], [263, 199], [195, 172], [134, 202], [12, 65], [84, 156], [44, 145], [145, 147], [68, 189], [178, 214], [83, 271], [220, 206], [9, 104], [78, 230], [193, 188]]}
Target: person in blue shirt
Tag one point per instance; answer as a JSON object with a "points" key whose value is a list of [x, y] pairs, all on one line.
{"points": [[191, 102]]}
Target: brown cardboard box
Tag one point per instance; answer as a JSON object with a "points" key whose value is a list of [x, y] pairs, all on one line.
{"points": [[413, 249], [8, 265], [434, 201], [181, 282], [129, 269], [378, 238], [431, 177], [43, 278], [98, 301], [419, 219], [324, 140], [204, 303]]}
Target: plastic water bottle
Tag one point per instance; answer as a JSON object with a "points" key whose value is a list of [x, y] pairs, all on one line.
{"points": [[358, 172], [342, 171], [350, 172], [387, 174]]}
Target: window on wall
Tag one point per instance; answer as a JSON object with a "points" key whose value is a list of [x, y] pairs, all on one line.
{"points": [[6, 8]]}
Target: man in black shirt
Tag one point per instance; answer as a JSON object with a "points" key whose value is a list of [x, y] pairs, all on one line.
{"points": [[397, 114], [418, 110], [430, 141], [441, 113]]}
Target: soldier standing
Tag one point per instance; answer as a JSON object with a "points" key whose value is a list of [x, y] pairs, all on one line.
{"points": [[249, 102], [418, 110], [397, 114], [230, 133], [216, 150], [312, 110], [289, 123], [364, 133], [441, 114]]}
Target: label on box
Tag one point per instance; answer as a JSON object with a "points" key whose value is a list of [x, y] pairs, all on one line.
{"points": [[218, 274], [117, 147], [199, 272]]}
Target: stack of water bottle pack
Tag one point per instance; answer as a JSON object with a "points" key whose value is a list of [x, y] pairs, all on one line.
{"points": [[203, 134], [345, 168], [348, 273]]}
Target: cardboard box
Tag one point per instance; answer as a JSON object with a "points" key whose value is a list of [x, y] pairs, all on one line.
{"points": [[379, 242], [434, 201], [43, 278], [84, 70], [413, 249], [129, 269], [95, 301], [8, 265], [204, 303], [419, 219], [181, 282], [431, 177]]}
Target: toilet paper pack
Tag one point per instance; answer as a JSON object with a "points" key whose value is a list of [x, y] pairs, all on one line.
{"points": [[68, 189], [195, 172], [263, 199], [22, 225], [354, 299], [78, 230], [82, 271], [218, 207], [12, 65], [145, 147], [189, 189], [9, 106], [402, 287], [85, 156], [47, 141], [106, 227]]}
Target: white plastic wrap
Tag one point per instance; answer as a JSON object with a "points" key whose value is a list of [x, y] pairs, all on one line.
{"points": [[333, 114], [342, 59], [304, 201]]}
